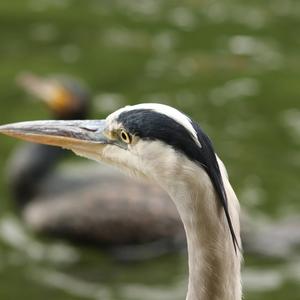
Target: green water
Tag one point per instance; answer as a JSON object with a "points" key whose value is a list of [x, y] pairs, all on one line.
{"points": [[232, 65]]}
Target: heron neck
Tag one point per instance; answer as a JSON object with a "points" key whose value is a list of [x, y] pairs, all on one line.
{"points": [[214, 267]]}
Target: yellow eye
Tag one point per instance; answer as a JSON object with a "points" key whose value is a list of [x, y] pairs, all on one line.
{"points": [[125, 136]]}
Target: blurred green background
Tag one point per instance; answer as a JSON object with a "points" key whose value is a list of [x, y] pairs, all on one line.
{"points": [[232, 65]]}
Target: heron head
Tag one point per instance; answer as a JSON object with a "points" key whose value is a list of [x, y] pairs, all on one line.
{"points": [[144, 139]]}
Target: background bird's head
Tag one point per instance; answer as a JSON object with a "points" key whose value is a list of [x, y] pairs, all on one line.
{"points": [[66, 97]]}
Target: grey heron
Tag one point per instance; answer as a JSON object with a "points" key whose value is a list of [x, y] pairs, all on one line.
{"points": [[163, 145]]}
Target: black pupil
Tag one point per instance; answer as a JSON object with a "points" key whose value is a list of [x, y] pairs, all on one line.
{"points": [[124, 136]]}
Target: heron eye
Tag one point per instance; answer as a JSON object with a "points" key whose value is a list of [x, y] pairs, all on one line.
{"points": [[125, 136]]}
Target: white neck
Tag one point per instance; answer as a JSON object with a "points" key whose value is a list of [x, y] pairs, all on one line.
{"points": [[214, 266]]}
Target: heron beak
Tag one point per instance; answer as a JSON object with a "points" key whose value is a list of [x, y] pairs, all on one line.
{"points": [[84, 136]]}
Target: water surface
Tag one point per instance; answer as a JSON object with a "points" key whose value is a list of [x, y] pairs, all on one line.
{"points": [[232, 65]]}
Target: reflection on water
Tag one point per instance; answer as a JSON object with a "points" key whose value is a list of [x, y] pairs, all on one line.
{"points": [[291, 121], [70, 285], [13, 234], [232, 65], [237, 89], [57, 266]]}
